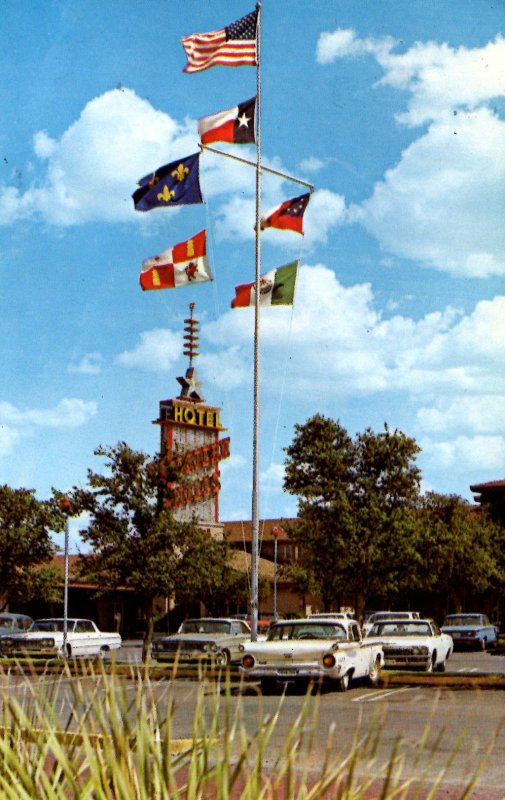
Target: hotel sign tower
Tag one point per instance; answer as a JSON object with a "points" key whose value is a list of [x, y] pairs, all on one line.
{"points": [[190, 440]]}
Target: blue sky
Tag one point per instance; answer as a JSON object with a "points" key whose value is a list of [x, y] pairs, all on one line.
{"points": [[393, 110]]}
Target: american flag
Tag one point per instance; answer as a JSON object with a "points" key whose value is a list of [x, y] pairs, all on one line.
{"points": [[233, 46]]}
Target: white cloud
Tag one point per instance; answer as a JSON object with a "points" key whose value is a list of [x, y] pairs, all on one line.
{"points": [[311, 164], [480, 415], [344, 43], [8, 438], [233, 463], [71, 412], [338, 341], [441, 205], [88, 365], [226, 368], [272, 478], [90, 172], [467, 454], [438, 77], [157, 351]]}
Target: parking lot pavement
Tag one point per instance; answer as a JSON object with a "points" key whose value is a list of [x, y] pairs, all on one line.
{"points": [[130, 651]]}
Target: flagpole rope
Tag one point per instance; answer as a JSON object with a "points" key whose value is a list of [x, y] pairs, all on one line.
{"points": [[262, 167], [210, 249]]}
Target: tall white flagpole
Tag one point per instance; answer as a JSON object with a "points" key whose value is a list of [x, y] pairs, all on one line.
{"points": [[256, 403]]}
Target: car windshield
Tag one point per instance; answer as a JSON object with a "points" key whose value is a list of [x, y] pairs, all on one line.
{"points": [[460, 622], [389, 615], [307, 631], [399, 628], [7, 622], [205, 626], [49, 625]]}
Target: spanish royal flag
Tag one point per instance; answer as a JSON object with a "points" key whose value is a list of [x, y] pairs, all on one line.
{"points": [[181, 265]]}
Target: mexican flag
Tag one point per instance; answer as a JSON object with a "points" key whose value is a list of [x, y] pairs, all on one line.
{"points": [[277, 288]]}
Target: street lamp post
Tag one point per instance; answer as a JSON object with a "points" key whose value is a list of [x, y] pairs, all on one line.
{"points": [[66, 507], [275, 533]]}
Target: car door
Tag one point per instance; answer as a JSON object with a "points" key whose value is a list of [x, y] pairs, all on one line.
{"points": [[86, 642], [358, 655]]}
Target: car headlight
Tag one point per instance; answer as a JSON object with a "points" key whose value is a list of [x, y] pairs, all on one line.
{"points": [[47, 642], [248, 661], [6, 642], [329, 660]]}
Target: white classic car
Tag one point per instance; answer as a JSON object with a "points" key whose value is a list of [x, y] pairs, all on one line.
{"points": [[312, 649], [45, 639], [383, 616], [212, 638], [412, 644]]}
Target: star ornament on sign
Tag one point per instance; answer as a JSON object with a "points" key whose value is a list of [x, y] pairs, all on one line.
{"points": [[191, 386]]}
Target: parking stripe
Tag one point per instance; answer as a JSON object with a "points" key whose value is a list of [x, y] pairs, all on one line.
{"points": [[382, 694]]}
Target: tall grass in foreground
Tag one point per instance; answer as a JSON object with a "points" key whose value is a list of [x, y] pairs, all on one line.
{"points": [[103, 735]]}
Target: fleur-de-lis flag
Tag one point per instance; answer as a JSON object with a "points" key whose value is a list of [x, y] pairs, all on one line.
{"points": [[174, 184]]}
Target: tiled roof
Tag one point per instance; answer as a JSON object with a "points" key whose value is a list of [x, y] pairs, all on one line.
{"points": [[241, 561], [240, 530], [490, 486]]}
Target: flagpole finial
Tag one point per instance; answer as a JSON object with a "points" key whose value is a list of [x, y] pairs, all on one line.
{"points": [[190, 383], [191, 336]]}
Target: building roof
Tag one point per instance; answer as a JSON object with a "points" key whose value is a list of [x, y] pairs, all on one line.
{"points": [[496, 487], [240, 530], [241, 561]]}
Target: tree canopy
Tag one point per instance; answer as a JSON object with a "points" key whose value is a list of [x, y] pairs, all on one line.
{"points": [[355, 502], [364, 530], [459, 548], [136, 542], [26, 547]]}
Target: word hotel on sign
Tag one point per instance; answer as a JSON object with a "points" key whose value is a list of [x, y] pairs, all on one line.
{"points": [[191, 415]]}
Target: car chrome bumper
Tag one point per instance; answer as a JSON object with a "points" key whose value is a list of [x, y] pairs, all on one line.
{"points": [[290, 673]]}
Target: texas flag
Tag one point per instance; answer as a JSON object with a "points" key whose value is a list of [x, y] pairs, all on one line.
{"points": [[288, 215], [235, 125], [181, 265]]}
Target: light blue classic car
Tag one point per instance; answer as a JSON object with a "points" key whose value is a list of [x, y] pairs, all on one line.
{"points": [[471, 630], [14, 623]]}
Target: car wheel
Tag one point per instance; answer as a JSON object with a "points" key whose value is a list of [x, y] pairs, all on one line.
{"points": [[374, 675], [268, 685], [343, 682], [431, 662], [441, 667], [223, 658], [482, 645], [103, 652]]}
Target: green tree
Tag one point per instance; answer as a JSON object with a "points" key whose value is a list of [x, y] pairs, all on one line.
{"points": [[26, 548], [460, 549], [355, 507], [206, 573], [135, 541]]}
